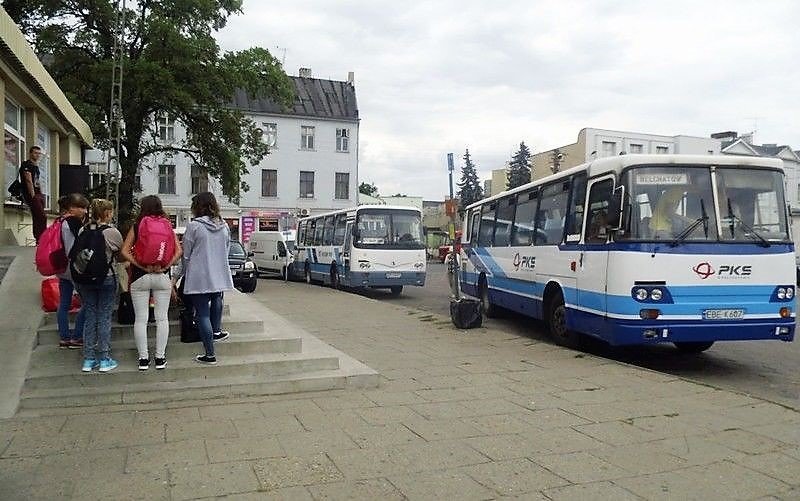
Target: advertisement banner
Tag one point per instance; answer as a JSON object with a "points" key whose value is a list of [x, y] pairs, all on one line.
{"points": [[248, 226]]}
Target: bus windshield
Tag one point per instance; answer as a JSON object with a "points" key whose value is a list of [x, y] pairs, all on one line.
{"points": [[667, 203], [389, 229], [677, 203]]}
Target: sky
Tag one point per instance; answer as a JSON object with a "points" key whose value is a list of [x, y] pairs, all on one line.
{"points": [[434, 77]]}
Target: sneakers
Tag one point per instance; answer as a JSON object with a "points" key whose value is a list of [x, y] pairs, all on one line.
{"points": [[75, 344], [89, 364], [107, 364], [219, 336], [205, 359], [161, 363], [144, 364]]}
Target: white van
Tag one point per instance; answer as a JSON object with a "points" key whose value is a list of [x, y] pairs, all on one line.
{"points": [[273, 251]]}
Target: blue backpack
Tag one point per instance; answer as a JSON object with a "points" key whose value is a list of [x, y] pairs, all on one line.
{"points": [[87, 258]]}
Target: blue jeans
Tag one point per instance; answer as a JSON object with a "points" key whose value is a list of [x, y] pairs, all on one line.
{"points": [[98, 303], [207, 307], [65, 288]]}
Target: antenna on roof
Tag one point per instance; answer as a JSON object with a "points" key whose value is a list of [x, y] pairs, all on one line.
{"points": [[283, 58]]}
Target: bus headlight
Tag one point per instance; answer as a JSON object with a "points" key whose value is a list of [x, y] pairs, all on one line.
{"points": [[781, 293], [656, 294], [641, 294]]}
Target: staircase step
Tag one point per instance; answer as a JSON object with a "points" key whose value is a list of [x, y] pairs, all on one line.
{"points": [[197, 389], [124, 349], [51, 319], [67, 378], [48, 334]]}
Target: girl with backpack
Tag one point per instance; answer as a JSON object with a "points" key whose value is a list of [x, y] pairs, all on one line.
{"points": [[91, 256], [73, 210], [206, 270], [152, 248]]}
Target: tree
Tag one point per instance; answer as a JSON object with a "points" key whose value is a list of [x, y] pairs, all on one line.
{"points": [[172, 67], [519, 169], [469, 187], [368, 189]]}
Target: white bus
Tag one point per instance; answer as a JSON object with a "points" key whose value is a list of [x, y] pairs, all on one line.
{"points": [[640, 249], [375, 246]]}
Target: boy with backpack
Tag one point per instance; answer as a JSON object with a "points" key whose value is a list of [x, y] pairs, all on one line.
{"points": [[73, 213], [90, 261]]}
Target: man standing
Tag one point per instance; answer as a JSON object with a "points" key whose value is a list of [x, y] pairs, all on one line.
{"points": [[31, 191]]}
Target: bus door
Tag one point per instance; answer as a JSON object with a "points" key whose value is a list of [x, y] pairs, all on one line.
{"points": [[347, 248], [593, 260]]}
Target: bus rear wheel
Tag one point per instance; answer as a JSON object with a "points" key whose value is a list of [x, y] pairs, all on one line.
{"points": [[557, 322], [696, 347], [487, 308]]}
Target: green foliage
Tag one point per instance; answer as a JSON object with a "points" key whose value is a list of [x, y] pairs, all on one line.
{"points": [[519, 168], [368, 189], [469, 187], [172, 66]]}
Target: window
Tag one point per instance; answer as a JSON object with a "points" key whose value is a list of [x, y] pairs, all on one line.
{"points": [[327, 235], [199, 180], [503, 221], [312, 228], [306, 137], [486, 231], [43, 142], [319, 228], [523, 221], [270, 132], [662, 150], [97, 174], [343, 140], [476, 221], [340, 229], [575, 225], [15, 147], [269, 183], [166, 179], [636, 148], [306, 184], [342, 186], [609, 148], [599, 198], [166, 128], [549, 228], [301, 232]]}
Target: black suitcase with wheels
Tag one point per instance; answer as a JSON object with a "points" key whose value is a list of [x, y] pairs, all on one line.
{"points": [[466, 313]]}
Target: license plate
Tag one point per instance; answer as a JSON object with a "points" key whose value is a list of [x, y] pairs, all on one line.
{"points": [[727, 314], [394, 275], [236, 266]]}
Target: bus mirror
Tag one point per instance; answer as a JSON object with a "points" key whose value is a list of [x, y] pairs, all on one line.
{"points": [[615, 209]]}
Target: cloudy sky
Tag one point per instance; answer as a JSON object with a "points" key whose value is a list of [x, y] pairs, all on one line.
{"points": [[441, 76]]}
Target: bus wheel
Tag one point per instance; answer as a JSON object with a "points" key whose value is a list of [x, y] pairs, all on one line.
{"points": [[335, 278], [557, 321], [308, 273], [487, 308], [694, 347], [396, 290]]}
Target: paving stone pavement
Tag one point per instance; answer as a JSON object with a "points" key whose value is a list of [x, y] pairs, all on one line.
{"points": [[475, 414]]}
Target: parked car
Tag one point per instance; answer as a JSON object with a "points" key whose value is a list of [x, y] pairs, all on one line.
{"points": [[243, 270]]}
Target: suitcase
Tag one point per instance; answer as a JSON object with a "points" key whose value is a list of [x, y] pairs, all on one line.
{"points": [[466, 313]]}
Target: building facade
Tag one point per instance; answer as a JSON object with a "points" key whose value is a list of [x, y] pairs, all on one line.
{"points": [[37, 113], [597, 143], [312, 165]]}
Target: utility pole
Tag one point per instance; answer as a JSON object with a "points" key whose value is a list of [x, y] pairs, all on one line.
{"points": [[115, 109]]}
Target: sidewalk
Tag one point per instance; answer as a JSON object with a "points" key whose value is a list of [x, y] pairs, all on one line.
{"points": [[475, 414]]}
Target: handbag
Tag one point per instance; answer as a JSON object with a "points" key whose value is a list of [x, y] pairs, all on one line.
{"points": [[125, 313]]}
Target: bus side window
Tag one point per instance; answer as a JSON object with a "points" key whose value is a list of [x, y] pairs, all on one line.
{"points": [[301, 232], [476, 221], [486, 231], [522, 234], [312, 224], [577, 202], [597, 225], [503, 221], [318, 230], [550, 216], [340, 229], [327, 234]]}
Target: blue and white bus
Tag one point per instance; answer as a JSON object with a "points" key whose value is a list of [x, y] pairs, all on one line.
{"points": [[640, 249], [376, 246]]}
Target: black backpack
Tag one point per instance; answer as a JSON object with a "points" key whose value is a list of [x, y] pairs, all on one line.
{"points": [[87, 258]]}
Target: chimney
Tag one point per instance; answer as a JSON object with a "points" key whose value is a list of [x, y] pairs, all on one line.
{"points": [[351, 77], [305, 72]]}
